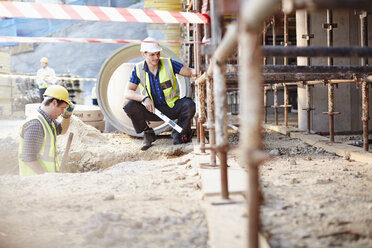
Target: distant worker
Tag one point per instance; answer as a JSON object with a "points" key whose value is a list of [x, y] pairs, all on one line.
{"points": [[47, 77], [37, 148], [158, 85], [94, 95]]}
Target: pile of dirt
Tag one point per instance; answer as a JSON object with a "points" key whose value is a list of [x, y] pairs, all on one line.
{"points": [[92, 150]]}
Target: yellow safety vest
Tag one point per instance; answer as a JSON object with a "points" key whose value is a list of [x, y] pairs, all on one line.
{"points": [[94, 92], [167, 79], [47, 156]]}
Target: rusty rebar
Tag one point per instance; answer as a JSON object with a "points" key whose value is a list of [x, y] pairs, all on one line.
{"points": [[286, 105], [365, 113], [197, 59], [314, 51], [365, 86], [285, 32], [265, 105], [274, 36], [276, 106], [211, 120]]}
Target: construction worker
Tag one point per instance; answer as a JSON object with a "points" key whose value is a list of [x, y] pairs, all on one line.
{"points": [[94, 95], [46, 77], [37, 148], [158, 85]]}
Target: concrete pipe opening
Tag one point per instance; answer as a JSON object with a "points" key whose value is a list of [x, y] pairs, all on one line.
{"points": [[112, 85]]}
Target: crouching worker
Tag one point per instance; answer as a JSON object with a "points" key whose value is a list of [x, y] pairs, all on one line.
{"points": [[38, 144], [158, 85]]}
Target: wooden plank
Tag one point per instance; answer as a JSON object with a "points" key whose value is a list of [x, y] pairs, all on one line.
{"points": [[353, 152], [227, 222], [211, 180]]}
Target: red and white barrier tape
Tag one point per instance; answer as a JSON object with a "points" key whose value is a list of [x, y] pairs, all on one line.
{"points": [[81, 40], [96, 13], [14, 76]]}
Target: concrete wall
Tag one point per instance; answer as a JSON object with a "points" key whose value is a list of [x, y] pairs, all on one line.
{"points": [[347, 96]]}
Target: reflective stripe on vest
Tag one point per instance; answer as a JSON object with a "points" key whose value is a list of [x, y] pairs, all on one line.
{"points": [[167, 79], [47, 156], [43, 86]]}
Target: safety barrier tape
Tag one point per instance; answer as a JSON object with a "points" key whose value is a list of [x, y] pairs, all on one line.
{"points": [[96, 13], [15, 76], [82, 40]]}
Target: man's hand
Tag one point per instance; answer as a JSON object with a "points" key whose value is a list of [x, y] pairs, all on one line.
{"points": [[149, 105], [68, 110]]}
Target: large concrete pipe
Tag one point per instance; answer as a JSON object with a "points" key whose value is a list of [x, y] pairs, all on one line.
{"points": [[112, 84]]}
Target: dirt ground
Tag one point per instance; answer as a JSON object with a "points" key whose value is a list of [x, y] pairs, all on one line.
{"points": [[130, 198]]}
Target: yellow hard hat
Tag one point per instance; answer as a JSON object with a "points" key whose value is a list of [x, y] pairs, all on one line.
{"points": [[44, 60], [57, 92]]}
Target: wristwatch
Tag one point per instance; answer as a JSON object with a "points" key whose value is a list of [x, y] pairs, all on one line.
{"points": [[143, 100]]}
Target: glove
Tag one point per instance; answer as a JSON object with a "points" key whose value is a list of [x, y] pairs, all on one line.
{"points": [[68, 110]]}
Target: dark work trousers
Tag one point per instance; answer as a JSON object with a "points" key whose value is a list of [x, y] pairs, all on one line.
{"points": [[183, 111], [41, 93]]}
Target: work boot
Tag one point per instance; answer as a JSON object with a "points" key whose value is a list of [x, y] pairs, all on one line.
{"points": [[177, 139], [149, 137], [187, 137]]}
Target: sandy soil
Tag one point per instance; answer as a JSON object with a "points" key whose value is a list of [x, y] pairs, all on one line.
{"points": [[313, 198], [153, 199]]}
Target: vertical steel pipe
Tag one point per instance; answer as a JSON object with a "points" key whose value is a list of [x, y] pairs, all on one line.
{"points": [[202, 118], [265, 105], [365, 113], [274, 37], [211, 120], [365, 86], [197, 59], [276, 105], [308, 105], [308, 35], [221, 122], [286, 105], [331, 110], [329, 26], [251, 16], [264, 32], [285, 36], [251, 118]]}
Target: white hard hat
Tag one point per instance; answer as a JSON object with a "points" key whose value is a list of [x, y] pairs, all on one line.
{"points": [[150, 47]]}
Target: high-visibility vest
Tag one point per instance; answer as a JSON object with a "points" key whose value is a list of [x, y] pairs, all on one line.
{"points": [[47, 156], [167, 79], [49, 75], [94, 92]]}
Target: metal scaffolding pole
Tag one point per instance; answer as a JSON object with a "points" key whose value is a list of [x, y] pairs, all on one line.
{"points": [[365, 86], [197, 59], [295, 77], [308, 108], [211, 120], [285, 31], [329, 26], [274, 36], [317, 68], [276, 105], [365, 113], [265, 104], [291, 5], [221, 122], [251, 114], [252, 15], [294, 51], [200, 87], [286, 105]]}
